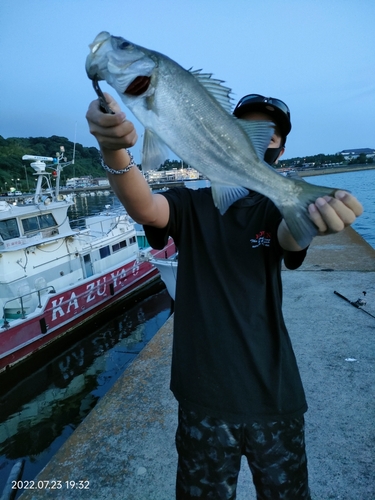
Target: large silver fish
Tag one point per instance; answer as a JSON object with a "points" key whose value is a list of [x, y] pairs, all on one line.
{"points": [[190, 112]]}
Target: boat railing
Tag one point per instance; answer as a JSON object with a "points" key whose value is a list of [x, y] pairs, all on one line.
{"points": [[167, 253], [78, 223], [21, 298], [100, 228]]}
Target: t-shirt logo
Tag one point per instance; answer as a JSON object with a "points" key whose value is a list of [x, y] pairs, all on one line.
{"points": [[261, 239]]}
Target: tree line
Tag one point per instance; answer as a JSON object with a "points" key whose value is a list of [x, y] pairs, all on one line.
{"points": [[321, 160], [16, 173]]}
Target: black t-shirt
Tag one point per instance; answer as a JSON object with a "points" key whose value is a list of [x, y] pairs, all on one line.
{"points": [[232, 355]]}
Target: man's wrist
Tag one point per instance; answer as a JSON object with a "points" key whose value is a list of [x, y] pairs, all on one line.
{"points": [[117, 161], [120, 171]]}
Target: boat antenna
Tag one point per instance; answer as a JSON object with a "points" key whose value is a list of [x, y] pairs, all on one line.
{"points": [[39, 166], [74, 149]]}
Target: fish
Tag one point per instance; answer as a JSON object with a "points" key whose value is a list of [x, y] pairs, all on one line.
{"points": [[190, 113]]}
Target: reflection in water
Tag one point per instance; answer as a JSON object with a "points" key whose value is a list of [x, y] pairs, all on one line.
{"points": [[38, 415], [92, 205]]}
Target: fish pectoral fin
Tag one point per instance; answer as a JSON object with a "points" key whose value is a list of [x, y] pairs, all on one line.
{"points": [[224, 196], [154, 152], [259, 132]]}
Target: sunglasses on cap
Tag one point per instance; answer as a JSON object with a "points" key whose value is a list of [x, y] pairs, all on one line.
{"points": [[257, 98]]}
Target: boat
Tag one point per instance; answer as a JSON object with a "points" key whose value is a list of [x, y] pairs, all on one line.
{"points": [[55, 275], [167, 266]]}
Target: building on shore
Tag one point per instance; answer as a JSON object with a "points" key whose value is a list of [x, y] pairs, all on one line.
{"points": [[83, 182], [352, 154], [176, 174]]}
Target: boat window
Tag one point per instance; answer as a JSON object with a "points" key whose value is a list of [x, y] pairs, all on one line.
{"points": [[132, 240], [38, 222], [104, 252], [9, 229], [46, 220], [30, 224], [118, 246]]}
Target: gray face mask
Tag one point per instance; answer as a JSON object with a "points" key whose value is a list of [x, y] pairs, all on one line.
{"points": [[271, 155]]}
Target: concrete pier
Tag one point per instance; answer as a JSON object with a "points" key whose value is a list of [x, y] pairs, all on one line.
{"points": [[125, 449]]}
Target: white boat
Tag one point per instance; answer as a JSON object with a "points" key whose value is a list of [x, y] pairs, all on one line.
{"points": [[167, 266], [55, 277]]}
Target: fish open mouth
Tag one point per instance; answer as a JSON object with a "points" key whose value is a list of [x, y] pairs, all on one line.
{"points": [[138, 86]]}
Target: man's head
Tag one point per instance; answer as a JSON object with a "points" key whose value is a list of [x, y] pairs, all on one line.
{"points": [[258, 107]]}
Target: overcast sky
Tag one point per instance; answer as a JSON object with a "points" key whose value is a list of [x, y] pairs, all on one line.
{"points": [[316, 55]]}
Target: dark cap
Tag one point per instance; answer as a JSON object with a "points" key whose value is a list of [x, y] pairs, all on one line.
{"points": [[275, 108]]}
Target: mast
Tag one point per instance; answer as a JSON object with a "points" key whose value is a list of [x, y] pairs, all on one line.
{"points": [[39, 166]]}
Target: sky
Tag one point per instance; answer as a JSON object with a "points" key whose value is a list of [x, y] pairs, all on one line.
{"points": [[316, 55]]}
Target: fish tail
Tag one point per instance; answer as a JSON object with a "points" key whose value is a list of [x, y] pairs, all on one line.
{"points": [[296, 213]]}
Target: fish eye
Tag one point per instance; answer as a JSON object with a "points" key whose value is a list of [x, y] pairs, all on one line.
{"points": [[121, 43]]}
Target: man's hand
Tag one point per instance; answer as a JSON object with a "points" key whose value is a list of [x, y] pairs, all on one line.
{"points": [[332, 215], [112, 132]]}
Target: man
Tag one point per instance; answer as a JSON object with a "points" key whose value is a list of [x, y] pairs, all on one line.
{"points": [[234, 373]]}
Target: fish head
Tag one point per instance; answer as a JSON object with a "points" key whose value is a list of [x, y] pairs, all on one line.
{"points": [[127, 67]]}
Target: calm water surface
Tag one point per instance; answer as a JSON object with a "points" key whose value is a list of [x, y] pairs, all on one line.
{"points": [[38, 415]]}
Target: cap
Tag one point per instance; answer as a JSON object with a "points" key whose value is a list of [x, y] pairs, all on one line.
{"points": [[275, 108]]}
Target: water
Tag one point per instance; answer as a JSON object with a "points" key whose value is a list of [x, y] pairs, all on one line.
{"points": [[362, 185], [91, 205], [40, 413]]}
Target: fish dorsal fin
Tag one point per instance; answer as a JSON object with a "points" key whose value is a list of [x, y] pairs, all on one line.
{"points": [[259, 132], [154, 152], [224, 195], [221, 93]]}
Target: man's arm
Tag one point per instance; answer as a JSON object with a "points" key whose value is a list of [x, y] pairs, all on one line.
{"points": [[330, 215], [114, 133]]}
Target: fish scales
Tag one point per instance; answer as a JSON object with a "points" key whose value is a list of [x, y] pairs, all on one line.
{"points": [[202, 116]]}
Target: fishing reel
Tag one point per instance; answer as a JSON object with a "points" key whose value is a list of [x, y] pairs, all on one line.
{"points": [[360, 302]]}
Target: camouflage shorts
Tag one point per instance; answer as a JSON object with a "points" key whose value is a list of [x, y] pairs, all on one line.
{"points": [[210, 451]]}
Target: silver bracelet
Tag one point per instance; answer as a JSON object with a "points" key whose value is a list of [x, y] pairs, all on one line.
{"points": [[123, 170]]}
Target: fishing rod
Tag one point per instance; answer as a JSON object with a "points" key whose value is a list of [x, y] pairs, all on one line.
{"points": [[357, 304]]}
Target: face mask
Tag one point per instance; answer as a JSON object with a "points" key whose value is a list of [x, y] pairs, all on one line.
{"points": [[271, 155]]}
